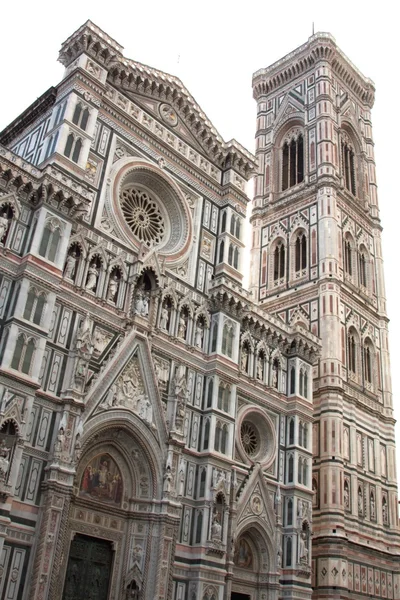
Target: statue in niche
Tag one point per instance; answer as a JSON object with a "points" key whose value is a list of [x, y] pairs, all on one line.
{"points": [[4, 222], [275, 376], [372, 507], [303, 546], [181, 394], [198, 336], [60, 441], [360, 502], [181, 481], [167, 480], [182, 327], [260, 368], [4, 459], [91, 281], [70, 266], [384, 511], [216, 528], [164, 319], [243, 359], [113, 288], [142, 301], [346, 497]]}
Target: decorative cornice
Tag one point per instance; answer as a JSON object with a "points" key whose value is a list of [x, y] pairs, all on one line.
{"points": [[320, 47], [130, 76], [49, 185]]}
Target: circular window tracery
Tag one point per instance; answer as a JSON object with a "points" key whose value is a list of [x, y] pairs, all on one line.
{"points": [[142, 215], [250, 438], [256, 436]]}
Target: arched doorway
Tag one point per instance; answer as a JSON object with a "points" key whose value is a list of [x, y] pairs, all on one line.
{"points": [[252, 564], [110, 542]]}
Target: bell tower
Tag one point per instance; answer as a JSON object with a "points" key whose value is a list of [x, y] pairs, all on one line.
{"points": [[317, 263]]}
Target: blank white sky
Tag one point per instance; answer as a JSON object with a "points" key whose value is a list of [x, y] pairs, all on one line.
{"points": [[214, 47]]}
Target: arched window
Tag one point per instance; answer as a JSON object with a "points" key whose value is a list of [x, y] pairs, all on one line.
{"points": [[301, 428], [202, 489], [199, 527], [291, 431], [224, 439], [299, 469], [223, 223], [232, 230], [230, 254], [73, 148], [305, 385], [206, 439], [348, 257], [279, 261], [81, 116], [301, 382], [50, 241], [290, 468], [292, 162], [292, 380], [352, 351], [300, 252], [210, 392], [305, 472], [290, 512], [221, 251], [289, 552], [236, 258], [362, 267], [348, 169], [227, 339], [217, 439], [367, 360], [34, 306], [214, 336], [23, 354], [237, 231], [305, 435]]}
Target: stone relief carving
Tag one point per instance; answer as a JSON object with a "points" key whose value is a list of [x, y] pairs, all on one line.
{"points": [[129, 392]]}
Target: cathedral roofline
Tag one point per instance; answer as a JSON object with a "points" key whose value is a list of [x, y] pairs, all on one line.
{"points": [[130, 76], [29, 116], [319, 47]]}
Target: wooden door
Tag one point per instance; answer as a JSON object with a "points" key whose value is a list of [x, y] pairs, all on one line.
{"points": [[89, 569]]}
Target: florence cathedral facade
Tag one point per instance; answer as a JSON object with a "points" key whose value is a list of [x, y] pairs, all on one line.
{"points": [[165, 432]]}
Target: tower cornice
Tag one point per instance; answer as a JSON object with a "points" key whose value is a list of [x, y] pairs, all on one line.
{"points": [[320, 47]]}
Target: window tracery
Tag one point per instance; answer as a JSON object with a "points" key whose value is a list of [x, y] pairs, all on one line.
{"points": [[73, 147], [34, 307], [348, 164], [24, 354], [50, 240], [292, 161]]}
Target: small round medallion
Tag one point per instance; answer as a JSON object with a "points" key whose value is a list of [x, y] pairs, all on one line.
{"points": [[168, 115]]}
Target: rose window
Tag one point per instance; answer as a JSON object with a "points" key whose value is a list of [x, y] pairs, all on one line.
{"points": [[250, 438], [143, 215]]}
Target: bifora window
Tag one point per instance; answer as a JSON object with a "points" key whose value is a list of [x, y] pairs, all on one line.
{"points": [[143, 215], [292, 162]]}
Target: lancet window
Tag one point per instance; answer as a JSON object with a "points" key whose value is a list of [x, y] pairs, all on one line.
{"points": [[348, 167], [292, 162]]}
